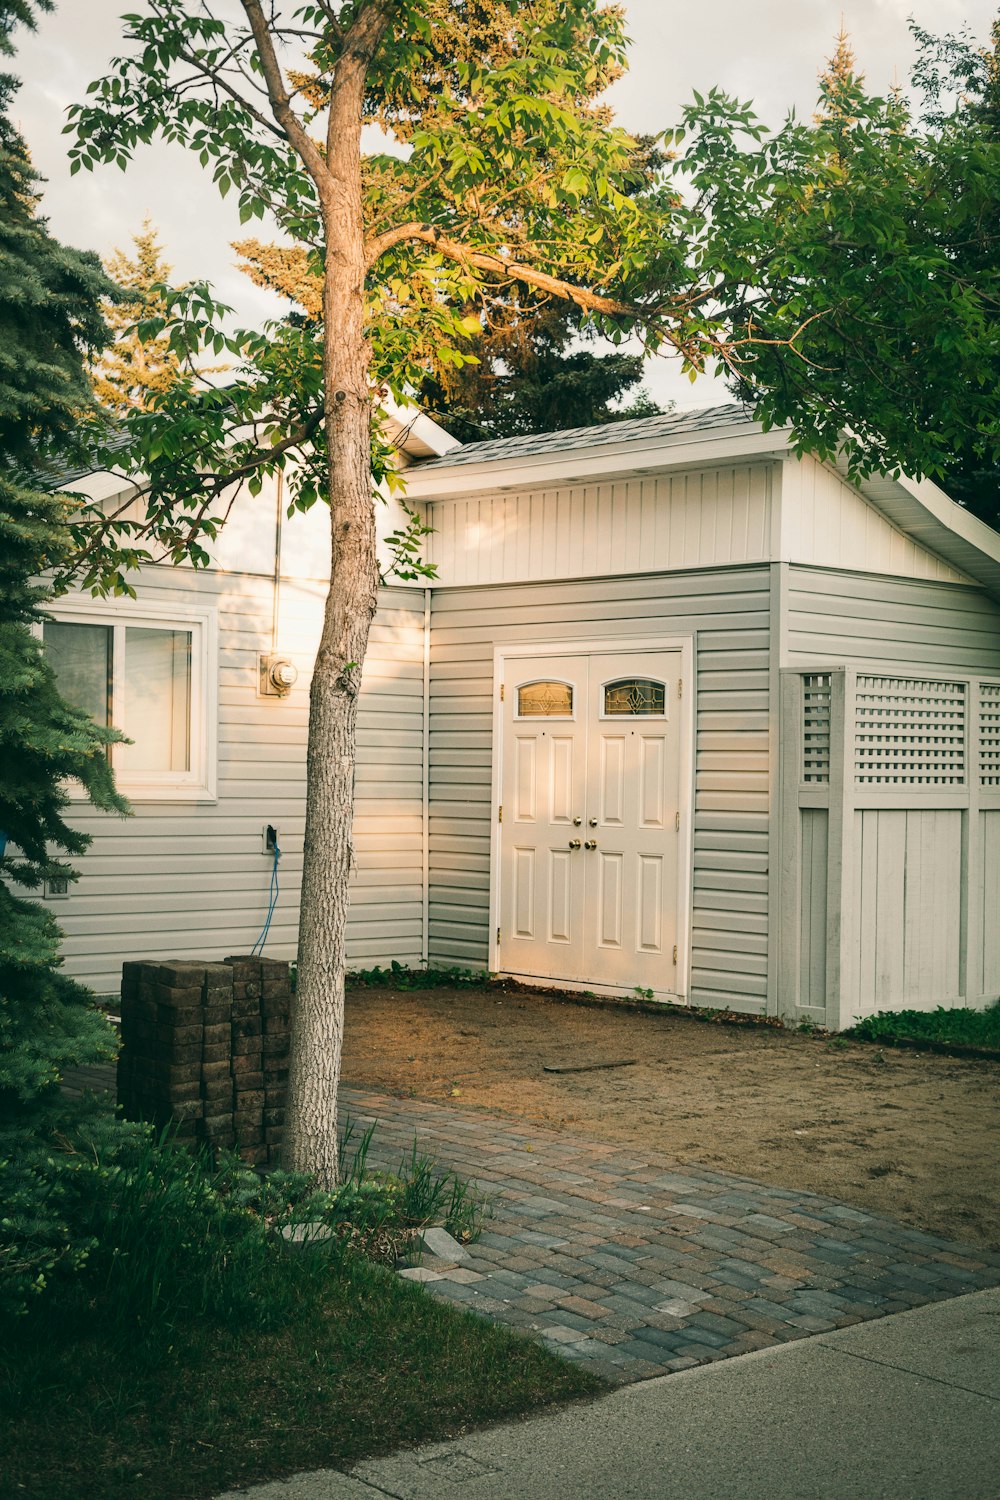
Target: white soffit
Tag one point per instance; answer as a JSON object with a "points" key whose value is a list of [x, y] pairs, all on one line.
{"points": [[415, 434], [923, 511]]}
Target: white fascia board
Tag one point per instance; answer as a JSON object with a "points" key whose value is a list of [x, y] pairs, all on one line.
{"points": [[417, 435], [923, 511], [591, 464], [100, 485]]}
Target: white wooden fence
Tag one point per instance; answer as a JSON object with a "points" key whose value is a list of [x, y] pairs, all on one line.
{"points": [[889, 887]]}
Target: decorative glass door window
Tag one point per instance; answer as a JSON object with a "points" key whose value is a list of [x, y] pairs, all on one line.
{"points": [[147, 677], [549, 700], [633, 696]]}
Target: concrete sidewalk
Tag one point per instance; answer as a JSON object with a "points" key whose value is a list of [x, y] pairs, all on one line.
{"points": [[905, 1408]]}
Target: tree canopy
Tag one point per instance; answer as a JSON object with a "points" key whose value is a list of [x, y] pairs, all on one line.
{"points": [[532, 369], [840, 272], [960, 87], [133, 370]]}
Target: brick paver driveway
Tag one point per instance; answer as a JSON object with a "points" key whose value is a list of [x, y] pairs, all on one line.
{"points": [[635, 1268]]}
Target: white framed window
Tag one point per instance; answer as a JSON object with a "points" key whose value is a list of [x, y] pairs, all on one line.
{"points": [[152, 672]]}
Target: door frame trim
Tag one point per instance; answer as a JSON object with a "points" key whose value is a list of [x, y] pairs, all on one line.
{"points": [[686, 645]]}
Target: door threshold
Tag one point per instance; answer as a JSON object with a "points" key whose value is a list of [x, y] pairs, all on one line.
{"points": [[598, 991]]}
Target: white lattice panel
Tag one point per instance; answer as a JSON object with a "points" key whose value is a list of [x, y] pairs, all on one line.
{"points": [[909, 732], [816, 727], [989, 734]]}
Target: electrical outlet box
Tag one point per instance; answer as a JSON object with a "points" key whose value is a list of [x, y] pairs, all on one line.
{"points": [[269, 840]]}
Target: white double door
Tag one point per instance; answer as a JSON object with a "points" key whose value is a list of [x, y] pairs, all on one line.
{"points": [[591, 819]]}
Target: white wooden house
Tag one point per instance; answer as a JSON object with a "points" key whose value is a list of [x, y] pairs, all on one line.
{"points": [[681, 713]]}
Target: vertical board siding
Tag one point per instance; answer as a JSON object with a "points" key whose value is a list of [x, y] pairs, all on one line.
{"points": [[990, 897], [856, 619], [826, 522], [813, 964], [729, 610], [908, 880], [692, 519], [187, 880]]}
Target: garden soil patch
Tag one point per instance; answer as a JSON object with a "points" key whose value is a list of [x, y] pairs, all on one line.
{"points": [[912, 1135]]}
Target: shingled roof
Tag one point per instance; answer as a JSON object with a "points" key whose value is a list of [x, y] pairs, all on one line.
{"points": [[527, 446]]}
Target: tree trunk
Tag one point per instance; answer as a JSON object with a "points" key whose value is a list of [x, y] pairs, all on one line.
{"points": [[317, 1032]]}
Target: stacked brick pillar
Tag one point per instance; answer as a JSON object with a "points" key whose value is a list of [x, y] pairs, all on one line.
{"points": [[205, 1049]]}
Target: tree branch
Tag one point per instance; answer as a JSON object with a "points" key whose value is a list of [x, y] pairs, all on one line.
{"points": [[358, 46], [295, 132], [500, 265], [214, 485]]}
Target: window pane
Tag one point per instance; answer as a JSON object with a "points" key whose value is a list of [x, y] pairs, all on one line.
{"points": [[80, 656], [157, 709], [546, 700], [634, 696]]}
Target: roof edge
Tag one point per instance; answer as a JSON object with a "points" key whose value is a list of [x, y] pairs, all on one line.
{"points": [[598, 461], [924, 511]]}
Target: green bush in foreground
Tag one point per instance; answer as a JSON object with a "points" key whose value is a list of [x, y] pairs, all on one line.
{"points": [[961, 1027], [187, 1347], [116, 1221]]}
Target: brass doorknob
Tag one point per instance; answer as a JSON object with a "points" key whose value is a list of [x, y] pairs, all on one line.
{"points": [[577, 822], [574, 843], [593, 822], [590, 844]]}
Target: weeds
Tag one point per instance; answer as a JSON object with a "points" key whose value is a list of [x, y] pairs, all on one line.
{"points": [[428, 1196], [399, 976], [960, 1027]]}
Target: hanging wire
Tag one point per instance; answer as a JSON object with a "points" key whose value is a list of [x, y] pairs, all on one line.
{"points": [[258, 946]]}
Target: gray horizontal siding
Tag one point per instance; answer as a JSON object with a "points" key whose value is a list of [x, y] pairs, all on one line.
{"points": [[856, 619], [183, 880], [729, 611]]}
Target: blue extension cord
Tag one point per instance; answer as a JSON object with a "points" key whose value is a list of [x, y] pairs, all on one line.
{"points": [[258, 946]]}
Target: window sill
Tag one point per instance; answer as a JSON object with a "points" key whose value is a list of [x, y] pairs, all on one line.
{"points": [[143, 792]]}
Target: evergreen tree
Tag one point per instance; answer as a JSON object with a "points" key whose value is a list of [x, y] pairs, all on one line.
{"points": [[134, 369], [50, 320], [529, 378]]}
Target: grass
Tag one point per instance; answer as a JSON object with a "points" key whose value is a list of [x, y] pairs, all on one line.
{"points": [[366, 1363], [188, 1349], [958, 1028]]}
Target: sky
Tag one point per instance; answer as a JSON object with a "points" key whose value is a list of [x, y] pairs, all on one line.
{"points": [[769, 51]]}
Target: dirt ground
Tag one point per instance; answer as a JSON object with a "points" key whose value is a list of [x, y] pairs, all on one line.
{"points": [[913, 1135]]}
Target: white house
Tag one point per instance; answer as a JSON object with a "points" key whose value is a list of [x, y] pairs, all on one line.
{"points": [[681, 713]]}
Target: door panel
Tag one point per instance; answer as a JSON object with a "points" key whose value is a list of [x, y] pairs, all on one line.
{"points": [[606, 778], [560, 895], [612, 753], [562, 783], [610, 868], [652, 768], [525, 778], [649, 907], [543, 783]]}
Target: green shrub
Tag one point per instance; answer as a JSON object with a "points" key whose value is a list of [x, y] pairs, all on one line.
{"points": [[127, 1226], [959, 1026]]}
